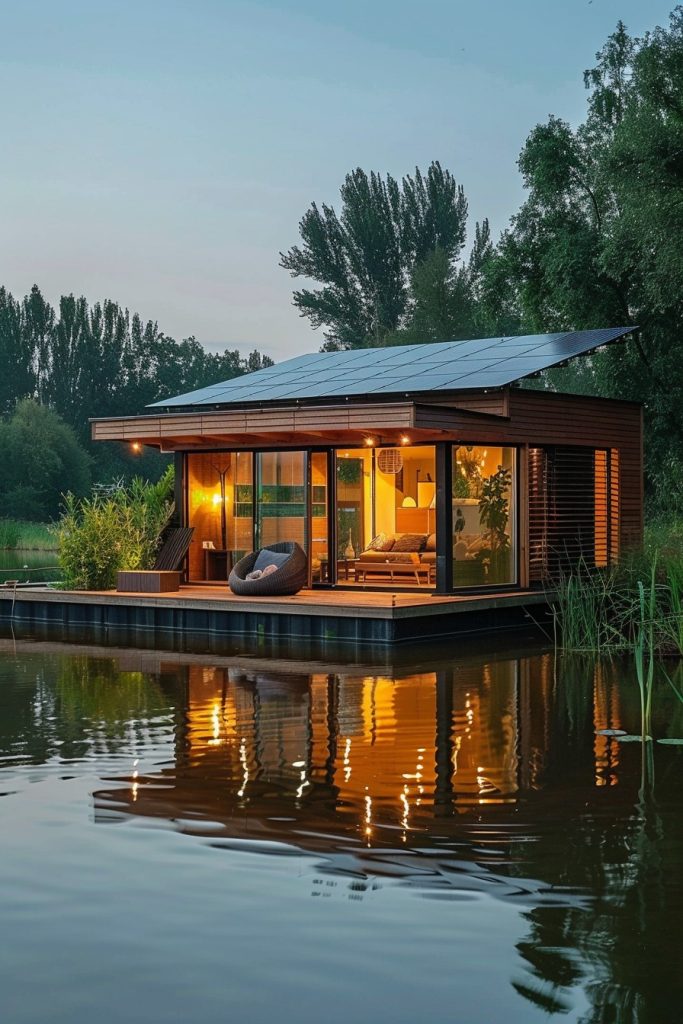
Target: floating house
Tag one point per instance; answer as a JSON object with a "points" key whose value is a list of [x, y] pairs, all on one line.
{"points": [[429, 468]]}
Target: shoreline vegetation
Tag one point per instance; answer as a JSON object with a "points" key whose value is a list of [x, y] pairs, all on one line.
{"points": [[20, 535], [638, 601]]}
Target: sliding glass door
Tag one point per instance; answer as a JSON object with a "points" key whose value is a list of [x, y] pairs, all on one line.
{"points": [[281, 501], [220, 508]]}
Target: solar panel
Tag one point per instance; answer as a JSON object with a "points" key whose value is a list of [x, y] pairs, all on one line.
{"points": [[445, 366]]}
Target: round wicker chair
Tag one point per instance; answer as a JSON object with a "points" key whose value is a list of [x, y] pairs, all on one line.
{"points": [[289, 577]]}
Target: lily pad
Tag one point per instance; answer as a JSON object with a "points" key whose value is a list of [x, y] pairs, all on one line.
{"points": [[672, 742], [633, 739], [610, 732]]}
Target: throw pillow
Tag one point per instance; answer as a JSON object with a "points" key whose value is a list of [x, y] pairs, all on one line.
{"points": [[267, 557], [381, 543], [269, 570], [410, 542], [431, 542]]}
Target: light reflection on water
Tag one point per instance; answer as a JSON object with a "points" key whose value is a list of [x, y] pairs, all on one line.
{"points": [[167, 818]]}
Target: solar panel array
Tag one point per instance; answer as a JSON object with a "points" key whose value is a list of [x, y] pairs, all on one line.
{"points": [[407, 369]]}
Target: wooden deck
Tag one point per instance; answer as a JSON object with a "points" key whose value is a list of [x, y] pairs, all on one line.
{"points": [[372, 616]]}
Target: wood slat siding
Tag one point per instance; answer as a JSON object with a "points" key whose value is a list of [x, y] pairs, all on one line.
{"points": [[566, 528], [545, 418]]}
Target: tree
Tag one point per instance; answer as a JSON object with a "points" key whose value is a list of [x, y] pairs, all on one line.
{"points": [[16, 353], [366, 257], [41, 459], [597, 241], [83, 361]]}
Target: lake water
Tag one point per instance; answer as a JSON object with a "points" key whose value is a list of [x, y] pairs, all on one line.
{"points": [[25, 566], [194, 838]]}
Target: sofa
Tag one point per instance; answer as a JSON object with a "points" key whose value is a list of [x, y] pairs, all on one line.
{"points": [[420, 550]]}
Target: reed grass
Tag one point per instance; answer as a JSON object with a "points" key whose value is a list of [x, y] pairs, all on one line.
{"points": [[18, 535], [635, 607], [606, 611], [644, 650]]}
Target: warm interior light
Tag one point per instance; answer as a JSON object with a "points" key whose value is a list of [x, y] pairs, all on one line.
{"points": [[409, 502], [216, 499], [405, 439], [136, 446], [369, 441]]}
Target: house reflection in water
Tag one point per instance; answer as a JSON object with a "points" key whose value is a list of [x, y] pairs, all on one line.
{"points": [[321, 755]]}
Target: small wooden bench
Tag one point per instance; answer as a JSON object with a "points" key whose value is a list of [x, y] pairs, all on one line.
{"points": [[148, 581]]}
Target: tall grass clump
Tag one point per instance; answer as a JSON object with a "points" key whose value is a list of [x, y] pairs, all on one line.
{"points": [[637, 602], [584, 612], [100, 535], [19, 535], [9, 534]]}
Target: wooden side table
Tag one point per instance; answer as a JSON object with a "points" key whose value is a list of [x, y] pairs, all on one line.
{"points": [[152, 581], [349, 567]]}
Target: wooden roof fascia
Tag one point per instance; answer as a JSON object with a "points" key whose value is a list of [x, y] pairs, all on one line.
{"points": [[296, 420]]}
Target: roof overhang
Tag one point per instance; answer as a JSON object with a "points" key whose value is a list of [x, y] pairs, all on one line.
{"points": [[352, 424]]}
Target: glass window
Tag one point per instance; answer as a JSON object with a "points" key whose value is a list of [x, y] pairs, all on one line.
{"points": [[386, 496], [484, 547], [220, 507]]}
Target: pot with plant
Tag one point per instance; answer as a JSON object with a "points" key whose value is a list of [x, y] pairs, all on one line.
{"points": [[494, 513]]}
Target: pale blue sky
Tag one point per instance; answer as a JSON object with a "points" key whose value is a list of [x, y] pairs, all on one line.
{"points": [[162, 152]]}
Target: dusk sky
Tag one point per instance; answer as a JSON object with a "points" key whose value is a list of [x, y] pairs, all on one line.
{"points": [[162, 153]]}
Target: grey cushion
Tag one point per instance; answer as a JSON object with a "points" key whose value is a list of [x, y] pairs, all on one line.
{"points": [[266, 557]]}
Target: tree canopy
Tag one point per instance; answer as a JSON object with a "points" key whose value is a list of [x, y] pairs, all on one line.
{"points": [[81, 360], [598, 240], [42, 458], [366, 256]]}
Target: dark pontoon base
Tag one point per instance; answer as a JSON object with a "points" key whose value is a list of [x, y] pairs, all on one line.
{"points": [[198, 625]]}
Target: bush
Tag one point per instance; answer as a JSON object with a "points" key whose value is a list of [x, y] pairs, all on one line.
{"points": [[98, 536], [41, 459]]}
